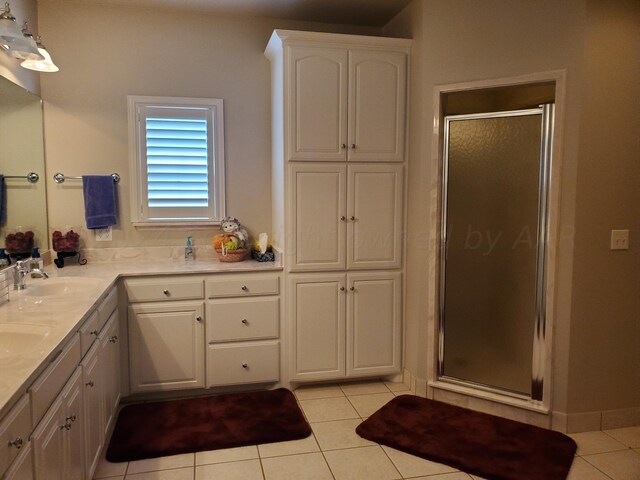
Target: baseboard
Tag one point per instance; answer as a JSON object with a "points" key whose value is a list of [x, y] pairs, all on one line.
{"points": [[598, 420]]}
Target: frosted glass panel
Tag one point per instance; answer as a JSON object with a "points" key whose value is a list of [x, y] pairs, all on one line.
{"points": [[490, 265]]}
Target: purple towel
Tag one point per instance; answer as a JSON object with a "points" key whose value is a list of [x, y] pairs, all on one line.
{"points": [[99, 200]]}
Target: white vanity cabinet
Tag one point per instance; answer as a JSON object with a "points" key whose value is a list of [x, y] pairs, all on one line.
{"points": [[22, 466], [243, 329], [345, 102], [166, 333], [15, 429], [346, 325]]}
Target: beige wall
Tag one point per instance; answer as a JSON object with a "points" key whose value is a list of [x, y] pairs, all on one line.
{"points": [[596, 359], [9, 67], [106, 53]]}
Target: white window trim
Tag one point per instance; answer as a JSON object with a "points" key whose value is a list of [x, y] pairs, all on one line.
{"points": [[136, 189]]}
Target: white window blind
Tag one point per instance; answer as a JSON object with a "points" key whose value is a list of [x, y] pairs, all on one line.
{"points": [[179, 160]]}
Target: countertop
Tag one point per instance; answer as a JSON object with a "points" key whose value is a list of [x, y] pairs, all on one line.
{"points": [[57, 317]]}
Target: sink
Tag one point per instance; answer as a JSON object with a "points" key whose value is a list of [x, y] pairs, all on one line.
{"points": [[17, 339], [58, 286]]}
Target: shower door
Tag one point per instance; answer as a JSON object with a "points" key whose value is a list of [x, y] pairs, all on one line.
{"points": [[493, 250]]}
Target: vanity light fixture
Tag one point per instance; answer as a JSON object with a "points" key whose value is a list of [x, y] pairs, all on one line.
{"points": [[18, 43], [45, 65]]}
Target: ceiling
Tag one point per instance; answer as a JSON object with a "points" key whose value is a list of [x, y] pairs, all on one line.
{"points": [[373, 13]]}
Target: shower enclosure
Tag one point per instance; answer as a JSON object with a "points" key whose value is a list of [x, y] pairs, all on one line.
{"points": [[494, 230]]}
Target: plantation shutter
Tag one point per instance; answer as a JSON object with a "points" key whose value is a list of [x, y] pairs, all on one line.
{"points": [[178, 153]]}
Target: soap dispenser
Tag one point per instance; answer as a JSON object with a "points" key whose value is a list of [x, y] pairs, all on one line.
{"points": [[188, 251], [5, 261], [36, 262]]}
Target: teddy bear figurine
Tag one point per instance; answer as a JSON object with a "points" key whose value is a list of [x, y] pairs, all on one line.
{"points": [[232, 231]]}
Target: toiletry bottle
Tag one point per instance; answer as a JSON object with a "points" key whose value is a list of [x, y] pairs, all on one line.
{"points": [[36, 262], [4, 260], [188, 251]]}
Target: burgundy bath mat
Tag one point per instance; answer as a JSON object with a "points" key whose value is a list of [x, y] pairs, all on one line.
{"points": [[491, 447], [157, 429]]}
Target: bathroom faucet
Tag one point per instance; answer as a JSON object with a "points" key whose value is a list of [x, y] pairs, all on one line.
{"points": [[21, 270]]}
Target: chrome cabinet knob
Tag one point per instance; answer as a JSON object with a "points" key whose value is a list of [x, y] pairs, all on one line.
{"points": [[343, 146], [94, 332], [199, 318], [89, 383], [71, 418], [352, 288], [342, 289], [343, 218], [18, 443], [245, 288], [245, 321], [114, 339], [352, 218], [166, 292], [353, 145], [245, 365]]}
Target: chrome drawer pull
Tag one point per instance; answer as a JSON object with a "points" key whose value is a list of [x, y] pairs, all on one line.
{"points": [[114, 339], [166, 292], [245, 365], [94, 332], [18, 442], [245, 321], [89, 383]]}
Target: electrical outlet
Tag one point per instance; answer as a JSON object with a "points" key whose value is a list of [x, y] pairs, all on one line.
{"points": [[619, 239], [104, 234]]}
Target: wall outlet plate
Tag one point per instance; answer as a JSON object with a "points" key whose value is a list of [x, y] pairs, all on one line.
{"points": [[104, 234], [619, 239]]}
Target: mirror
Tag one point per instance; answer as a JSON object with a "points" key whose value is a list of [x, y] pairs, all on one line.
{"points": [[22, 152]]}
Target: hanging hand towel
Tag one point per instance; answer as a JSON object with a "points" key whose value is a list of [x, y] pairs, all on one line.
{"points": [[3, 201], [99, 200]]}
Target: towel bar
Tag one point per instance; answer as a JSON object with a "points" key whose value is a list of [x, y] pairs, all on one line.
{"points": [[32, 177], [60, 177]]}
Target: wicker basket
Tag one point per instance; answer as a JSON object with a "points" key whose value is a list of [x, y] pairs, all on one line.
{"points": [[232, 255]]}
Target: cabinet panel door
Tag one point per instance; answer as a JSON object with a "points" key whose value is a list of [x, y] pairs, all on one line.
{"points": [[110, 361], [374, 323], [166, 346], [93, 398], [318, 217], [22, 466], [374, 216], [317, 104], [376, 106], [48, 445], [74, 433], [318, 326]]}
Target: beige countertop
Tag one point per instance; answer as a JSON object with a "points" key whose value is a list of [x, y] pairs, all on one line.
{"points": [[51, 311]]}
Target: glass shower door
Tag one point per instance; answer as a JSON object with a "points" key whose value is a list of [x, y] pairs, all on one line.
{"points": [[493, 248]]}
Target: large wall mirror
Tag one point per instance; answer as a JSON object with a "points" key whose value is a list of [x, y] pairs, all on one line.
{"points": [[22, 154]]}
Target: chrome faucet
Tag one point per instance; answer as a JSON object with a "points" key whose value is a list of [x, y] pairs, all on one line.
{"points": [[21, 270]]}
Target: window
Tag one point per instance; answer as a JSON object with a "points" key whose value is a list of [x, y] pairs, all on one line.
{"points": [[177, 160]]}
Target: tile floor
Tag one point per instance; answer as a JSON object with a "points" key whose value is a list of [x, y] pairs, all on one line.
{"points": [[336, 452]]}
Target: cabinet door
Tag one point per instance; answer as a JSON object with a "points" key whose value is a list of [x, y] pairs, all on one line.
{"points": [[73, 433], [376, 106], [317, 95], [373, 323], [110, 364], [166, 346], [318, 321], [22, 466], [374, 216], [48, 444], [318, 217], [93, 399]]}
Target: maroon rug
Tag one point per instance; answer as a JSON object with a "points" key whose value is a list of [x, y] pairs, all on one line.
{"points": [[491, 447], [157, 429]]}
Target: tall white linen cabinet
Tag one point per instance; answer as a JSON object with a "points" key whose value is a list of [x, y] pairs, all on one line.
{"points": [[338, 175]]}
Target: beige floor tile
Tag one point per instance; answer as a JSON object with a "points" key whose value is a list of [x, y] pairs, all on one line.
{"points": [[107, 469], [292, 447], [244, 470], [583, 470], [369, 463], [595, 442], [120, 477], [161, 463], [363, 388], [327, 409], [175, 474], [308, 466], [623, 465], [412, 466], [339, 434], [448, 476], [227, 455], [318, 391], [367, 405], [630, 436], [397, 387]]}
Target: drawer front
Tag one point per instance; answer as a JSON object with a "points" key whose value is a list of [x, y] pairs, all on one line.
{"points": [[106, 308], [15, 429], [89, 332], [244, 286], [235, 364], [50, 382], [243, 319], [166, 288]]}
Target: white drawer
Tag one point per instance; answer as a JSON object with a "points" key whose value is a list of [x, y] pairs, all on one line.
{"points": [[15, 429], [165, 288], [243, 319], [108, 305], [241, 286], [235, 364], [89, 332], [47, 386]]}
